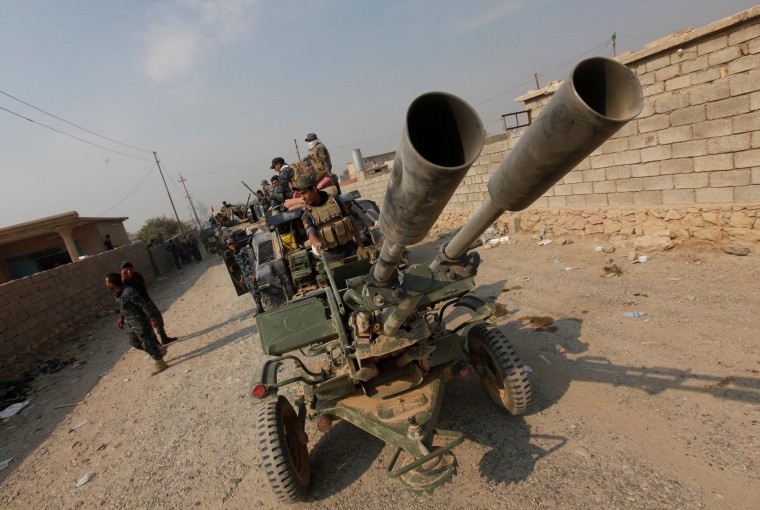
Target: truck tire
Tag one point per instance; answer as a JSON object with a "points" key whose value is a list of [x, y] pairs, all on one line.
{"points": [[500, 369], [284, 455]]}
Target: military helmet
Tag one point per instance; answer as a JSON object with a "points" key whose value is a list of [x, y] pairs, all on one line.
{"points": [[310, 137], [277, 160]]}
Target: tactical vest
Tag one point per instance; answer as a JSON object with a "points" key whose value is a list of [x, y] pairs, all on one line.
{"points": [[318, 164], [334, 228]]}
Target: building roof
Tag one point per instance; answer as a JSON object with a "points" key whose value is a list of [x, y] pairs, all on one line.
{"points": [[47, 225]]}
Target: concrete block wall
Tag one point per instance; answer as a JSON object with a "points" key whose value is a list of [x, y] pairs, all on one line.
{"points": [[695, 146], [40, 310]]}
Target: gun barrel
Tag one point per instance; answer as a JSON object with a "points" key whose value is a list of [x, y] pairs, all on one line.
{"points": [[442, 137], [600, 96]]}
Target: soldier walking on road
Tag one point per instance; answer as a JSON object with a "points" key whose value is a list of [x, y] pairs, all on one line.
{"points": [[134, 279], [248, 278], [140, 315]]}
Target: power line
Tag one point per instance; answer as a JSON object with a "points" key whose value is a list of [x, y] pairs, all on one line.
{"points": [[130, 193], [72, 136], [71, 123]]}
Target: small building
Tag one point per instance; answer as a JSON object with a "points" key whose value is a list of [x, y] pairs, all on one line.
{"points": [[38, 245]]}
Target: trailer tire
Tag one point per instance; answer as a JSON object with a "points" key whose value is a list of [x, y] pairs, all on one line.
{"points": [[284, 455], [501, 372]]}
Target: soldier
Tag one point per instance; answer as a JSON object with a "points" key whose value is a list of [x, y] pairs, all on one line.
{"points": [[320, 156], [281, 191], [328, 222], [134, 279], [140, 315], [248, 278]]}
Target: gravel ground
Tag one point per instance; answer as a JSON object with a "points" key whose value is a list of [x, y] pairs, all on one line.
{"points": [[657, 411]]}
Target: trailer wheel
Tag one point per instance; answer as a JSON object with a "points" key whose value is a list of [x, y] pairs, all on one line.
{"points": [[284, 455], [500, 369]]}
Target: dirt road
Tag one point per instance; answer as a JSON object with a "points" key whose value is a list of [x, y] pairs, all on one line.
{"points": [[657, 411]]}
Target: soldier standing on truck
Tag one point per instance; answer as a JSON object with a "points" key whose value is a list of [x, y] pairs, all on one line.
{"points": [[328, 222], [281, 191], [141, 316], [320, 157], [247, 278]]}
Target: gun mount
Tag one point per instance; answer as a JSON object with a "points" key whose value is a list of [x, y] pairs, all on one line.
{"points": [[377, 350]]}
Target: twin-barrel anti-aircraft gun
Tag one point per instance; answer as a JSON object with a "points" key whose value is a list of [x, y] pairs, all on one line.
{"points": [[375, 348]]}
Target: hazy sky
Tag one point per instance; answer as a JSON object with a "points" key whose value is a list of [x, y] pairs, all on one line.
{"points": [[219, 88]]}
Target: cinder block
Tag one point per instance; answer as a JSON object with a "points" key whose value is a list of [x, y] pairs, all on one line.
{"points": [[711, 128], [604, 187], [689, 115], [618, 172], [713, 163], [582, 188], [596, 199], [626, 185], [755, 176], [643, 140], [675, 134], [562, 189], [603, 161], [732, 143], [657, 153], [572, 177], [667, 73], [747, 159], [694, 65], [620, 199], [679, 82], [576, 200], [689, 149], [678, 196], [714, 195], [646, 169], [730, 178], [594, 175], [744, 34], [691, 180], [715, 91], [651, 91], [677, 166], [615, 145], [706, 76], [657, 63], [744, 83], [627, 157], [728, 107], [647, 197], [743, 64], [670, 102], [725, 55], [748, 194], [745, 123], [658, 183], [557, 201], [712, 45]]}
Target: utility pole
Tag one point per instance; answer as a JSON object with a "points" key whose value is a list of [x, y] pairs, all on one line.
{"points": [[189, 199], [295, 142], [614, 39], [158, 163], [535, 76]]}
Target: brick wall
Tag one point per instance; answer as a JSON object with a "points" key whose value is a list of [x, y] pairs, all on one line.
{"points": [[694, 151], [40, 310]]}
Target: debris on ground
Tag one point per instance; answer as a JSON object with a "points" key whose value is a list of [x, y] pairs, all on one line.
{"points": [[722, 383], [732, 249], [13, 410], [611, 270], [79, 425], [82, 481], [4, 464], [544, 242], [565, 241], [635, 314]]}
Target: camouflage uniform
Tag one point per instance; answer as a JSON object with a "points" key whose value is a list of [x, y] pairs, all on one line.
{"points": [[138, 312], [333, 223], [138, 283], [244, 263], [321, 158], [282, 191]]}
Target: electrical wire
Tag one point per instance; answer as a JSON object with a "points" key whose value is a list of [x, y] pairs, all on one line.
{"points": [[128, 194], [72, 136], [71, 123]]}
